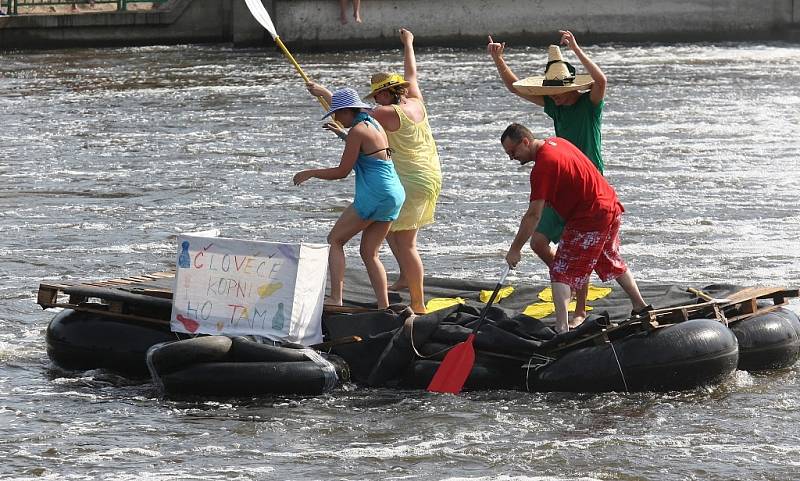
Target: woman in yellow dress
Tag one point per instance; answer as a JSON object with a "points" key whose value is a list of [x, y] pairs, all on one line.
{"points": [[402, 114]]}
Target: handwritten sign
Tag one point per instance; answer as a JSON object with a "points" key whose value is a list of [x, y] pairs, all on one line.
{"points": [[239, 287]]}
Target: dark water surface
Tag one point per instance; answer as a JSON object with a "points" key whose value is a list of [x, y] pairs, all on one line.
{"points": [[107, 154]]}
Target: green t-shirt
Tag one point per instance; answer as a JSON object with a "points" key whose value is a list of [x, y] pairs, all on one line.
{"points": [[580, 124]]}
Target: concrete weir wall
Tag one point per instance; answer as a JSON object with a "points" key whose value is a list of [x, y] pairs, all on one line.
{"points": [[314, 24]]}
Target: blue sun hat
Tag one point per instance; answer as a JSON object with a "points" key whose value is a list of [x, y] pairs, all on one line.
{"points": [[344, 99]]}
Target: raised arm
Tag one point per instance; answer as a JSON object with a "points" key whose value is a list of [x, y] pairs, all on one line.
{"points": [[318, 90], [410, 64], [506, 75], [599, 86]]}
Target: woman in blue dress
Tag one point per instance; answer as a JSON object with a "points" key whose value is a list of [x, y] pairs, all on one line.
{"points": [[378, 194]]}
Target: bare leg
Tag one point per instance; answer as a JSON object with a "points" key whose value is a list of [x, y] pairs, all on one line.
{"points": [[630, 287], [401, 283], [371, 241], [580, 306], [410, 266], [357, 10], [348, 225], [343, 11], [541, 246], [561, 295]]}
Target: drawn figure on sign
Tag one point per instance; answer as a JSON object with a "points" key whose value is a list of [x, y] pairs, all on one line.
{"points": [[183, 258], [279, 319]]}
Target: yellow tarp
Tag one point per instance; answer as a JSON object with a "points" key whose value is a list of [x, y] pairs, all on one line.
{"points": [[442, 302], [501, 294], [541, 310], [595, 293]]}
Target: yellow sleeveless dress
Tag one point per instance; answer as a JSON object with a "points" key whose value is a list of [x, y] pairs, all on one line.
{"points": [[416, 161]]}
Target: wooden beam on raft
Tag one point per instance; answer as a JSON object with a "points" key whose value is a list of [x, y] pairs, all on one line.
{"points": [[744, 303], [161, 293], [48, 294]]}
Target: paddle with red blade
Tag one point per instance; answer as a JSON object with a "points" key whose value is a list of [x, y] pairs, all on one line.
{"points": [[457, 364]]}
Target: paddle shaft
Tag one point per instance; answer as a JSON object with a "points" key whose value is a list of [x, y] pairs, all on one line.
{"points": [[485, 309], [299, 69]]}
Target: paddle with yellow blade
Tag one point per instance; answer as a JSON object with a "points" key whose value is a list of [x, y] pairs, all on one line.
{"points": [[260, 14], [457, 364]]}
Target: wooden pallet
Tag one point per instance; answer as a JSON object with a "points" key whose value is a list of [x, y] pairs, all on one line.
{"points": [[121, 298], [136, 298], [739, 306], [744, 304]]}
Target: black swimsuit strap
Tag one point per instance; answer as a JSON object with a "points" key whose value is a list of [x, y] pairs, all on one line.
{"points": [[387, 149]]}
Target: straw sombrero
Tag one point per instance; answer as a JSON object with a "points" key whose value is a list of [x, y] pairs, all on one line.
{"points": [[383, 81], [559, 77]]}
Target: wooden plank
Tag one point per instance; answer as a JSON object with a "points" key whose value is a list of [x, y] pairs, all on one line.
{"points": [[47, 296], [323, 346], [76, 299], [164, 275], [116, 307], [750, 293], [719, 314], [138, 279], [762, 310], [334, 309], [162, 293]]}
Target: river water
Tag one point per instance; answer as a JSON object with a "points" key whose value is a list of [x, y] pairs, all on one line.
{"points": [[107, 154]]}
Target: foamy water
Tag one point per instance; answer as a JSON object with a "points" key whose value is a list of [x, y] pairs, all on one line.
{"points": [[109, 153]]}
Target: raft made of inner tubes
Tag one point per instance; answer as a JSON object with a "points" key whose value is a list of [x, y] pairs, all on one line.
{"points": [[674, 357], [82, 340], [768, 341], [234, 367]]}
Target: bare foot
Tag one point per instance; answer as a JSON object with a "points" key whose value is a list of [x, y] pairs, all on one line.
{"points": [[329, 301], [398, 286], [419, 310], [357, 17], [343, 19], [576, 321]]}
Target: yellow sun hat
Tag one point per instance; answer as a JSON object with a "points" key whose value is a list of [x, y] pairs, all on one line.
{"points": [[559, 77], [384, 80]]}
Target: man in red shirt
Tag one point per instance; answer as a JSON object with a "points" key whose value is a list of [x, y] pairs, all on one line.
{"points": [[568, 181]]}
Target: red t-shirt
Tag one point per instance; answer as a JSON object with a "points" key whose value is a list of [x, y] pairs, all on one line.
{"points": [[567, 180]]}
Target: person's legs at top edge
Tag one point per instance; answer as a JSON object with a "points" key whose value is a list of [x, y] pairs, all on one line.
{"points": [[343, 11], [348, 225], [371, 241], [412, 272], [357, 10]]}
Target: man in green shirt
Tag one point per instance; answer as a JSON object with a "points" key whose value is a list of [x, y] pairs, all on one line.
{"points": [[576, 116]]}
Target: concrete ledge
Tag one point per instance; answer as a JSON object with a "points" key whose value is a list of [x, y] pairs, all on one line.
{"points": [[314, 24]]}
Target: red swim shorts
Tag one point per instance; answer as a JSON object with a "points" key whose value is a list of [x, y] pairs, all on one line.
{"points": [[581, 252]]}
